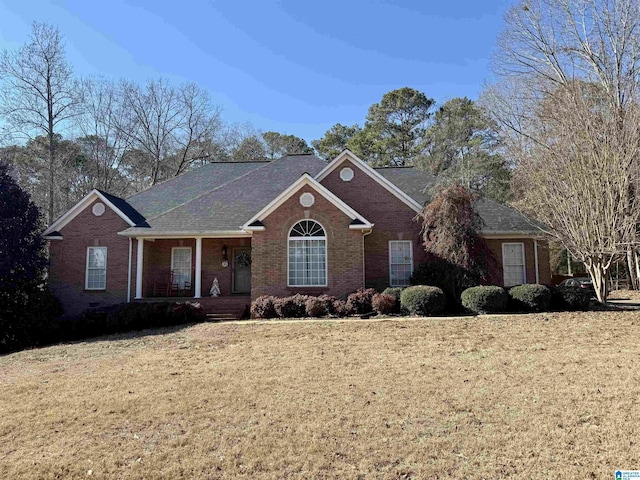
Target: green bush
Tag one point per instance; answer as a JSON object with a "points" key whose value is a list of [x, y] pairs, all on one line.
{"points": [[40, 329], [28, 318], [360, 301], [530, 298], [423, 300], [570, 298], [395, 292], [485, 299]]}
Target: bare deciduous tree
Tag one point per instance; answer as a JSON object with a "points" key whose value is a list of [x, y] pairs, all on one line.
{"points": [[173, 126], [567, 107], [39, 95], [102, 142]]}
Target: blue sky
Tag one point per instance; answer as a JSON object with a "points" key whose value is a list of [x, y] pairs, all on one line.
{"points": [[292, 66]]}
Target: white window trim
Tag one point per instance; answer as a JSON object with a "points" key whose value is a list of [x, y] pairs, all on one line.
{"points": [[326, 258], [524, 262], [173, 249], [410, 242], [86, 269]]}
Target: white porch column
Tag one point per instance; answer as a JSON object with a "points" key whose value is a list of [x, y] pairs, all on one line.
{"points": [[198, 283], [139, 267]]}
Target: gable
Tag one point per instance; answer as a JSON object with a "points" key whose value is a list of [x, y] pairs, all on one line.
{"points": [[90, 200], [354, 161], [357, 220]]}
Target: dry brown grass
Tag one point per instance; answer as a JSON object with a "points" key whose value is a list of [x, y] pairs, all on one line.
{"points": [[624, 295], [531, 396]]}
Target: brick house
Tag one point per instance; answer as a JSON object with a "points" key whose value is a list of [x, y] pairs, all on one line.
{"points": [[293, 225]]}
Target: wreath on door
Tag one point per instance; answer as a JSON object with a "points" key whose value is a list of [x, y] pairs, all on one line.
{"points": [[243, 259]]}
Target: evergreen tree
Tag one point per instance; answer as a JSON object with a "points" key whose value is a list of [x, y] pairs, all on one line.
{"points": [[25, 303]]}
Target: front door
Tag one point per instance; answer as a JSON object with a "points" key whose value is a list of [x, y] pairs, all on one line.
{"points": [[241, 270]]}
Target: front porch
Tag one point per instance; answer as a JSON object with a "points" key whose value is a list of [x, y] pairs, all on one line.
{"points": [[215, 272]]}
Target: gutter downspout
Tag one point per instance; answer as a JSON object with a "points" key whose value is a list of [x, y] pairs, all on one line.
{"points": [[129, 275], [364, 277], [535, 258]]}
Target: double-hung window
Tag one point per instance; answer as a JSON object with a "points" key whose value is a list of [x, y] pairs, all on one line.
{"points": [[96, 273], [307, 255], [400, 262], [513, 264]]}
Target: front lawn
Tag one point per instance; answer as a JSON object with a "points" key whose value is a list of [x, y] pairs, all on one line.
{"points": [[527, 396]]}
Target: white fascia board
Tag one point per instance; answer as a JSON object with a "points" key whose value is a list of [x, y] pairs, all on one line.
{"points": [[361, 227], [74, 211], [254, 229], [305, 179], [53, 237], [362, 165], [168, 235]]}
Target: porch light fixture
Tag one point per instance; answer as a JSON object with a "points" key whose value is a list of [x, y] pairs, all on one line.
{"points": [[225, 261]]}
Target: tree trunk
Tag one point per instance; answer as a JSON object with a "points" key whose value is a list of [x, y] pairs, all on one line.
{"points": [[632, 269], [599, 273]]}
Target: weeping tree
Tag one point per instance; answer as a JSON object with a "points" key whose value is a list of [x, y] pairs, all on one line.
{"points": [[459, 257], [566, 104]]}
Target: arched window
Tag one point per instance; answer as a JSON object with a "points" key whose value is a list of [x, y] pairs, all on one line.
{"points": [[307, 255]]}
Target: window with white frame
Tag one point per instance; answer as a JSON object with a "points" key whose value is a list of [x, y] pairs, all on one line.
{"points": [[181, 265], [513, 264], [307, 255], [96, 274], [400, 262]]}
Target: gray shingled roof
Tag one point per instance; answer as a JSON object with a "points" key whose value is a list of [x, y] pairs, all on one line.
{"points": [[223, 196], [164, 196], [497, 218], [220, 205]]}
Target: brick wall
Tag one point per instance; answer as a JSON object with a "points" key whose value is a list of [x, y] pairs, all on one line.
{"points": [[344, 249], [68, 259], [393, 220], [544, 269]]}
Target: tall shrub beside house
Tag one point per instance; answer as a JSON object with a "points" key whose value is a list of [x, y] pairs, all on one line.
{"points": [[26, 305], [460, 258]]}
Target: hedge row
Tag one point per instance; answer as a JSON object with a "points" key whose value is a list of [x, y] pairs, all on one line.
{"points": [[93, 323], [524, 298], [417, 300]]}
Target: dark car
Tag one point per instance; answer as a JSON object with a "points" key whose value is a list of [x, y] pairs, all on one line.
{"points": [[579, 282]]}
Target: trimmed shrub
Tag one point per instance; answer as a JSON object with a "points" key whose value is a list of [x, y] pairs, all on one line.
{"points": [[530, 298], [485, 299], [423, 300], [120, 318], [359, 302], [263, 307], [384, 303], [395, 292], [314, 307], [28, 318], [319, 306], [570, 298], [340, 308], [294, 306]]}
